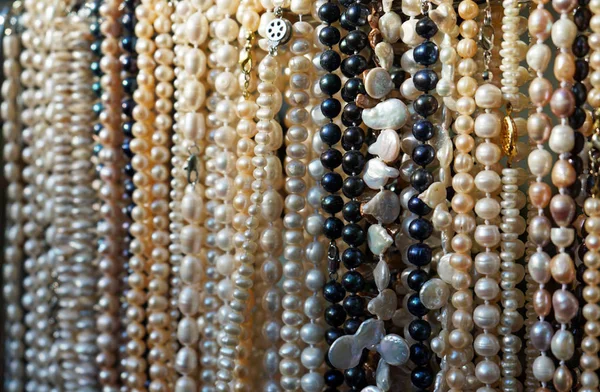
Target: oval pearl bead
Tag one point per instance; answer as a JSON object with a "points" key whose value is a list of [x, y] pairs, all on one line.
{"points": [[541, 335], [563, 345], [486, 316], [565, 306], [488, 96], [543, 368], [540, 162], [539, 126], [539, 267], [192, 207], [563, 209]]}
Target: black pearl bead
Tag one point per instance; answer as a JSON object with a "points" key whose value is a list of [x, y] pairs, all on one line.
{"points": [[420, 354], [330, 133], [335, 315], [582, 69], [398, 77], [351, 211], [353, 138], [331, 107], [419, 330], [577, 119], [330, 83], [332, 228], [354, 235], [580, 46], [580, 92], [125, 146], [426, 53], [417, 278], [128, 22], [356, 40], [333, 291], [128, 43], [423, 130], [353, 162], [354, 305], [422, 377], [419, 254], [127, 106], [351, 115], [127, 128], [98, 128], [345, 24], [96, 47], [331, 158], [356, 377], [425, 105], [582, 18], [129, 85], [352, 258], [353, 65], [418, 206], [423, 154], [353, 186], [352, 88], [333, 378], [95, 67], [426, 27], [129, 170], [329, 13], [97, 149], [351, 326], [329, 36], [129, 64], [353, 281], [332, 204], [425, 80], [415, 306], [333, 334], [421, 179], [97, 89], [357, 15], [330, 60], [579, 143], [129, 209], [420, 229], [577, 163], [129, 186], [97, 108]]}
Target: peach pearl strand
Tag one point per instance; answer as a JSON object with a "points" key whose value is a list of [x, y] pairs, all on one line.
{"points": [[486, 316], [562, 206], [190, 32], [110, 192], [589, 361], [38, 337], [14, 256], [460, 261], [298, 119], [540, 163]]}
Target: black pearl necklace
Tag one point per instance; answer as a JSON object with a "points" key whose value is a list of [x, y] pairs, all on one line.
{"points": [[421, 228], [332, 182]]}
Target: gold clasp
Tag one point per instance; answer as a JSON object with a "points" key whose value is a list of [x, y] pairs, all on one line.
{"points": [[246, 63], [509, 135]]}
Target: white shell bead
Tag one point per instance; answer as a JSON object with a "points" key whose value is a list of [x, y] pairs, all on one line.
{"points": [[390, 114]]}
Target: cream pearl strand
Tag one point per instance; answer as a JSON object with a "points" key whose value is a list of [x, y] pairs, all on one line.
{"points": [[37, 298], [190, 32], [540, 163], [14, 256], [589, 362], [562, 206], [593, 97], [110, 192], [487, 235], [295, 203]]}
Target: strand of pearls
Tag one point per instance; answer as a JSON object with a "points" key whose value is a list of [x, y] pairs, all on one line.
{"points": [[14, 256], [38, 338], [488, 126], [589, 362], [110, 192], [297, 118], [540, 162], [190, 31], [163, 123], [593, 97], [562, 206]]}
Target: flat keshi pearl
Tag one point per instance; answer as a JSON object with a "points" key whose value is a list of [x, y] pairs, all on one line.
{"points": [[538, 57], [563, 209], [486, 345], [562, 139], [562, 102], [488, 125], [486, 316], [539, 126], [564, 32], [196, 28], [563, 174], [390, 114], [543, 368], [539, 267], [541, 335], [385, 207], [378, 83], [192, 207], [387, 145], [390, 25], [434, 294], [488, 96], [563, 344], [540, 91], [377, 173], [540, 23], [194, 126], [540, 162], [565, 306], [378, 239]]}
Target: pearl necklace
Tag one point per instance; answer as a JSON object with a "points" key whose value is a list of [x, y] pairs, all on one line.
{"points": [[110, 227], [14, 255], [190, 32], [38, 338]]}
